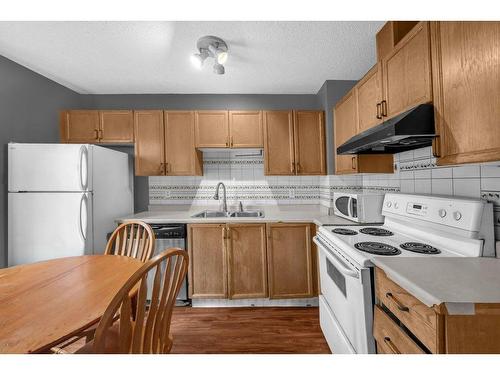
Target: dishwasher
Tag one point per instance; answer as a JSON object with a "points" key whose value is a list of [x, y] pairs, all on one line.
{"points": [[167, 236]]}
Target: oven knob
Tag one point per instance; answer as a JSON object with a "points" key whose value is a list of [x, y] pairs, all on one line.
{"points": [[396, 205], [388, 204], [442, 212], [457, 215]]}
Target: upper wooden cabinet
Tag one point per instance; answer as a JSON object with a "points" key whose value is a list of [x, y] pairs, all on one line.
{"points": [[207, 261], [345, 126], [149, 143], [309, 142], [90, 126], [390, 35], [247, 263], [289, 260], [164, 144], [406, 72], [294, 143], [466, 85], [212, 129], [181, 157], [278, 143], [369, 99], [245, 129]]}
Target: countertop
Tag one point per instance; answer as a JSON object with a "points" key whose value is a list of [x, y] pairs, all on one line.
{"points": [[282, 213], [459, 283]]}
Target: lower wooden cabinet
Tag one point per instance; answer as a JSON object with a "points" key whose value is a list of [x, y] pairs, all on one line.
{"points": [[246, 259], [238, 261], [207, 261], [289, 260]]}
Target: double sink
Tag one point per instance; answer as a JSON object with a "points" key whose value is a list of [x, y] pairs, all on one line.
{"points": [[209, 214]]}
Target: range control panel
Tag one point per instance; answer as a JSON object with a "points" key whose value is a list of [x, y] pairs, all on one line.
{"points": [[460, 213]]}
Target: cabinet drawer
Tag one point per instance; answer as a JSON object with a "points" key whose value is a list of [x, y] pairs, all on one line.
{"points": [[420, 319], [390, 338]]}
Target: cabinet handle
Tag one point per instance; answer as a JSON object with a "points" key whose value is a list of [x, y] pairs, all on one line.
{"points": [[292, 167], [100, 133], [391, 346], [379, 105], [231, 143], [96, 134], [166, 168], [228, 233], [224, 233], [384, 108], [353, 162], [298, 167], [399, 305]]}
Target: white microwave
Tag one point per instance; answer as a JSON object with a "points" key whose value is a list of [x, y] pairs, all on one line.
{"points": [[359, 207]]}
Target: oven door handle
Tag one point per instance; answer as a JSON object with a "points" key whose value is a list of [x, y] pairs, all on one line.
{"points": [[341, 266], [349, 206]]}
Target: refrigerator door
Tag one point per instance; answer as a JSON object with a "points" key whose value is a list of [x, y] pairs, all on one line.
{"points": [[44, 226], [49, 167]]}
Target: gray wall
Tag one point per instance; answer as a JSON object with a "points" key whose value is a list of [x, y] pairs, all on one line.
{"points": [[329, 94], [29, 105]]}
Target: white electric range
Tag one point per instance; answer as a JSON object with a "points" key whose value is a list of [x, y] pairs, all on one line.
{"points": [[414, 226]]}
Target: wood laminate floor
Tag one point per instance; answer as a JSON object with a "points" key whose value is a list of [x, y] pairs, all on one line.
{"points": [[247, 330]]}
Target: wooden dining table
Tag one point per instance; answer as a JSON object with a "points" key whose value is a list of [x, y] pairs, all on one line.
{"points": [[43, 304]]}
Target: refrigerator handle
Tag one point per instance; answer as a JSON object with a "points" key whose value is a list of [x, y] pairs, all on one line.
{"points": [[83, 167], [83, 216]]}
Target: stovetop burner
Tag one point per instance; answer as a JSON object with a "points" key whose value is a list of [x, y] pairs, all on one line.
{"points": [[377, 248], [373, 231], [344, 231], [418, 247]]}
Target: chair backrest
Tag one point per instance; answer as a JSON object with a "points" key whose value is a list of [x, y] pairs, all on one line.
{"points": [[133, 239], [148, 329]]}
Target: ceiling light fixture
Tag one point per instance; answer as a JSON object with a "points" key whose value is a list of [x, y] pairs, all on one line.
{"points": [[211, 46]]}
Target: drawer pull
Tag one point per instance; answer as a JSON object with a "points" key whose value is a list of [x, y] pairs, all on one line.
{"points": [[400, 306], [391, 346]]}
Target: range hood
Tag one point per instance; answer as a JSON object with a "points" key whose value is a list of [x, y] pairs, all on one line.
{"points": [[407, 131]]}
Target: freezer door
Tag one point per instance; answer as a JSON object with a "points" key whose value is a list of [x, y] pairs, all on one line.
{"points": [[49, 167], [46, 226]]}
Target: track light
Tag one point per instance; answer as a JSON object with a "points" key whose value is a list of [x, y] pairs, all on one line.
{"points": [[211, 46]]}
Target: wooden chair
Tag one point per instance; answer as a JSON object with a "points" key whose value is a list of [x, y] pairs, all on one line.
{"points": [[149, 330], [133, 239]]}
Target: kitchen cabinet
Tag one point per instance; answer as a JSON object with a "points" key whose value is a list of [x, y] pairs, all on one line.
{"points": [[164, 144], [207, 261], [278, 143], [149, 143], [91, 126], [368, 93], [247, 263], [405, 325], [181, 156], [289, 260], [406, 73], [212, 129], [245, 128], [390, 35], [309, 142], [466, 86], [294, 143]]}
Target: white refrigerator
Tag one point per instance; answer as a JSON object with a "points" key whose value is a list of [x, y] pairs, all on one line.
{"points": [[63, 199]]}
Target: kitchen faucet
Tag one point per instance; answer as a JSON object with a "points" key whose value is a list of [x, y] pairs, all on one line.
{"points": [[216, 195]]}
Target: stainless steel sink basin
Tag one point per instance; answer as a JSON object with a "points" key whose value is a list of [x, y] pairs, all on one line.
{"points": [[247, 214], [211, 214], [207, 214]]}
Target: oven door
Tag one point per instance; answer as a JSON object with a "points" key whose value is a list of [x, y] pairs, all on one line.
{"points": [[346, 206], [346, 289]]}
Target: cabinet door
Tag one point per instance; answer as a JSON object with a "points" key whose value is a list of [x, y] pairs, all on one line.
{"points": [[79, 126], [369, 98], [309, 141], [181, 157], [246, 256], [116, 126], [466, 72], [278, 143], [345, 127], [245, 128], [407, 72], [207, 263], [289, 259], [149, 145], [212, 129]]}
